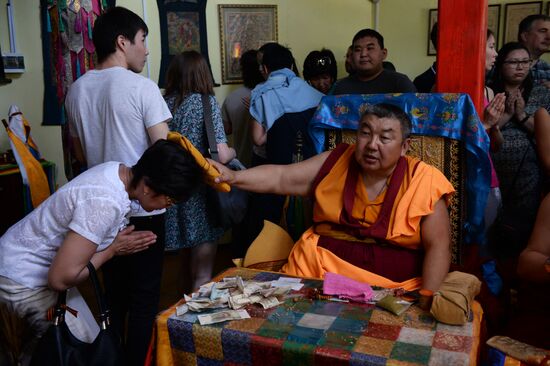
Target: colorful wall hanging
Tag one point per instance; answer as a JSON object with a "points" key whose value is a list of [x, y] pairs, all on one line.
{"points": [[67, 52], [182, 28]]}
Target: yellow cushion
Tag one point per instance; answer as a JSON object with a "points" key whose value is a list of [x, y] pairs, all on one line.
{"points": [[272, 244]]}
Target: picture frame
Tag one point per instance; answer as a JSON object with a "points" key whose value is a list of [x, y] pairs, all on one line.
{"points": [[243, 27], [432, 19], [493, 21], [514, 13]]}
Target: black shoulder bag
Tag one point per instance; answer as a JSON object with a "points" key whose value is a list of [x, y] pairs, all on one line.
{"points": [[232, 204], [58, 347]]}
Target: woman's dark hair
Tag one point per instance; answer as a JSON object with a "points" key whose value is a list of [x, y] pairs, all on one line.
{"points": [[188, 73], [169, 169], [250, 69], [319, 63], [497, 83], [117, 21]]}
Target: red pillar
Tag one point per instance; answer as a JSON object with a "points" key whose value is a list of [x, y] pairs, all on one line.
{"points": [[461, 48]]}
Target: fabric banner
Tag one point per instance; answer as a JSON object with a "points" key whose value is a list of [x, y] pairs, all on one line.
{"points": [[182, 28]]}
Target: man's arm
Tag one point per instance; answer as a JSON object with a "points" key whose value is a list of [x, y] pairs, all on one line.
{"points": [[158, 131], [436, 239], [534, 257], [258, 132], [294, 179]]}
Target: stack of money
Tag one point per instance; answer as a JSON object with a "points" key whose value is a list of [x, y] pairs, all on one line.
{"points": [[235, 293]]}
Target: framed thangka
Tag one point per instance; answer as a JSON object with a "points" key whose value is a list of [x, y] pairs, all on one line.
{"points": [[242, 28], [514, 13], [182, 28]]}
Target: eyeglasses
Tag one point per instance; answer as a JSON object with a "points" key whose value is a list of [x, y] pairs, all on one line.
{"points": [[516, 63]]}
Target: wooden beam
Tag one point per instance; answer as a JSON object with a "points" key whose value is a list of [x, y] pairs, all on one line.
{"points": [[461, 48]]}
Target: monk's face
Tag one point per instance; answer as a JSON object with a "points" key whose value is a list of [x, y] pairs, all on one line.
{"points": [[380, 144]]}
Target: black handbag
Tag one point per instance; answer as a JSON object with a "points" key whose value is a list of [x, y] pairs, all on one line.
{"points": [[232, 204], [58, 347]]}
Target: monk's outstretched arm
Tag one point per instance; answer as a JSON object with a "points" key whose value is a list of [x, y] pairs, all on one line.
{"points": [[436, 238], [293, 179]]}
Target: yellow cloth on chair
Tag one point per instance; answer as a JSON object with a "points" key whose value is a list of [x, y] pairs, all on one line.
{"points": [[32, 172], [209, 171]]}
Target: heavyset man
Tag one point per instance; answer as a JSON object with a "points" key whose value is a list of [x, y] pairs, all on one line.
{"points": [[379, 216], [370, 77]]}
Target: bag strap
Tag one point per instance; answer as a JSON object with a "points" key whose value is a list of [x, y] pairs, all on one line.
{"points": [[209, 125], [104, 312]]}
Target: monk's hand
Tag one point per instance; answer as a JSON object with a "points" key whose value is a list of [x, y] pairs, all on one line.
{"points": [[226, 175], [129, 241]]}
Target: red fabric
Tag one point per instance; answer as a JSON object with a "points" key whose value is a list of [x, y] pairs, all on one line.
{"points": [[377, 258]]}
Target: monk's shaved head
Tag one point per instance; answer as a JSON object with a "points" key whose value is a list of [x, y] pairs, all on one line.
{"points": [[386, 110]]}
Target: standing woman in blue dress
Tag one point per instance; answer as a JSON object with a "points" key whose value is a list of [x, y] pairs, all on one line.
{"points": [[195, 224]]}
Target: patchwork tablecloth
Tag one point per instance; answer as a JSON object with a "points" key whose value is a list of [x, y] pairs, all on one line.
{"points": [[303, 331]]}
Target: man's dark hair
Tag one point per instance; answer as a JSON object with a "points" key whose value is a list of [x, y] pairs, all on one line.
{"points": [[169, 169], [386, 110], [527, 22], [367, 32], [249, 67], [276, 57], [319, 63], [117, 21], [433, 34]]}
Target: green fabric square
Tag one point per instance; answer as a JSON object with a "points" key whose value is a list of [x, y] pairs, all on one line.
{"points": [[298, 354], [340, 340], [349, 325], [410, 353], [355, 312], [299, 306], [274, 330]]}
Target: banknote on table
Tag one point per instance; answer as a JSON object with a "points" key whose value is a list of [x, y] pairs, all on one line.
{"points": [[269, 302], [223, 316]]}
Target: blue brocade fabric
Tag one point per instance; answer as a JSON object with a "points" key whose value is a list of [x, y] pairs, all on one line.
{"points": [[437, 114]]}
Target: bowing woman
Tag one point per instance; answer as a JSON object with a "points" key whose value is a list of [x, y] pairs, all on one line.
{"points": [[85, 221]]}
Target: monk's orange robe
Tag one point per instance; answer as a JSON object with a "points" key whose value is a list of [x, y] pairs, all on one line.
{"points": [[422, 186]]}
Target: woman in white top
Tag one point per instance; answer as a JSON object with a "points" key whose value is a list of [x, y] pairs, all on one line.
{"points": [[85, 221]]}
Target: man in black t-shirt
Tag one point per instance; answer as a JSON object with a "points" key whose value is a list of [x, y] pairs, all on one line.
{"points": [[367, 58]]}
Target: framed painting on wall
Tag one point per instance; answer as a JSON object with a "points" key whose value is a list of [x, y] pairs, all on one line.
{"points": [[514, 13], [432, 19], [243, 27], [493, 20], [182, 28]]}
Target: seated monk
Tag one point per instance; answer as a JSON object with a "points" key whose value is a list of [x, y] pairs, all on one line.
{"points": [[380, 216]]}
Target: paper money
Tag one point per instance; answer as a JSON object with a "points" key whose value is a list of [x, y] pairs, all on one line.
{"points": [[269, 302], [223, 316]]}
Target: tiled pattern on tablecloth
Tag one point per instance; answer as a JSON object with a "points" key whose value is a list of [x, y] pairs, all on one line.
{"points": [[307, 332]]}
